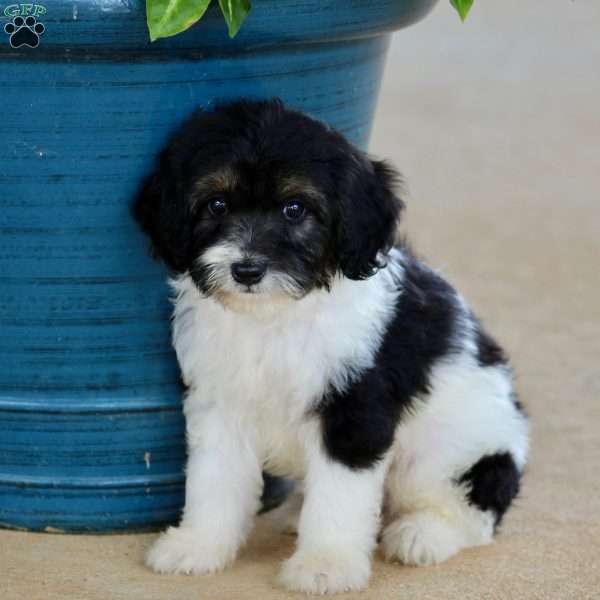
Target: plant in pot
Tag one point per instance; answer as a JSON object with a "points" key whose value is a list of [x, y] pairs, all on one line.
{"points": [[90, 400], [170, 17]]}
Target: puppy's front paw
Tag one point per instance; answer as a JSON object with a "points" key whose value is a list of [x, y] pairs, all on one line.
{"points": [[325, 572], [182, 550]]}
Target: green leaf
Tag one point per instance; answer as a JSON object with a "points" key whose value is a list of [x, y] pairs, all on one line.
{"points": [[463, 7], [235, 13], [170, 17]]}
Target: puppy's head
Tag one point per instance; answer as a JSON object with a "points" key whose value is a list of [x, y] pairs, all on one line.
{"points": [[255, 199]]}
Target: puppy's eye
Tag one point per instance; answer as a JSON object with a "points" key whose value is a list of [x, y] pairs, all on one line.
{"points": [[217, 207], [294, 211]]}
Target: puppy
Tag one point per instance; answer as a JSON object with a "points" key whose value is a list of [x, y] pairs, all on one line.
{"points": [[317, 349]]}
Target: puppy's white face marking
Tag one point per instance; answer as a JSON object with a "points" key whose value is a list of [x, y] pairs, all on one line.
{"points": [[275, 288], [218, 260]]}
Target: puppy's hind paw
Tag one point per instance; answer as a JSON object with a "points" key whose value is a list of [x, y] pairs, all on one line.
{"points": [[325, 572], [421, 539], [183, 551]]}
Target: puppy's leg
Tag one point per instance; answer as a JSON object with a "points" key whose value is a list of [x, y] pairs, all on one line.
{"points": [[457, 463], [223, 488], [337, 529], [433, 525]]}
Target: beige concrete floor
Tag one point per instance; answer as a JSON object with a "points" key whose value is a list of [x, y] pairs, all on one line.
{"points": [[496, 125]]}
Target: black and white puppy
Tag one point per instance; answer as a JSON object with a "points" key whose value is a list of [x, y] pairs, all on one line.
{"points": [[317, 348]]}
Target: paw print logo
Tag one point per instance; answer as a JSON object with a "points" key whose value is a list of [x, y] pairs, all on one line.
{"points": [[24, 32]]}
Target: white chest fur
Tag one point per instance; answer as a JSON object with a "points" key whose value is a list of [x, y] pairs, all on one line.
{"points": [[267, 366]]}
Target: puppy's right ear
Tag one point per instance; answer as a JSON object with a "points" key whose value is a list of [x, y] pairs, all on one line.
{"points": [[164, 215]]}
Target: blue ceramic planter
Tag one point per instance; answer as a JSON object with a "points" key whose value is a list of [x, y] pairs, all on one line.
{"points": [[91, 433]]}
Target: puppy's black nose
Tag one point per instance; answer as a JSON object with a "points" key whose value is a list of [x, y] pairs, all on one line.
{"points": [[248, 272]]}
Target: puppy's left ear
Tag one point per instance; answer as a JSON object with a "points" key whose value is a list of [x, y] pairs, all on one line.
{"points": [[370, 210], [163, 214]]}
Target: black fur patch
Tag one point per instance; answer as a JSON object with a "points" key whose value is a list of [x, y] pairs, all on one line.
{"points": [[369, 214], [493, 483], [489, 353], [518, 404], [359, 425]]}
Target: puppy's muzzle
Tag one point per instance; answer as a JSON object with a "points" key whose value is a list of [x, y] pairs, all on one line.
{"points": [[248, 272]]}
